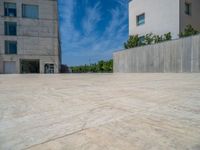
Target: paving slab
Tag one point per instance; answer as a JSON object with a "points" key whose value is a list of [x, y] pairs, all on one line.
{"points": [[100, 112]]}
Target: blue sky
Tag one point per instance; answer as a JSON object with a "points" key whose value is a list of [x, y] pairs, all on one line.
{"points": [[92, 29]]}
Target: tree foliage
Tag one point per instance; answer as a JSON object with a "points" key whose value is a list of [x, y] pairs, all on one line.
{"points": [[135, 40], [189, 30], [100, 67]]}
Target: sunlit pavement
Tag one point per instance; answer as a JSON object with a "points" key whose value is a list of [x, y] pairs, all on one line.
{"points": [[100, 112]]}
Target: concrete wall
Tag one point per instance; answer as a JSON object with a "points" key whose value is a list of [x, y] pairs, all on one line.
{"points": [[194, 19], [161, 16], [181, 55], [36, 38]]}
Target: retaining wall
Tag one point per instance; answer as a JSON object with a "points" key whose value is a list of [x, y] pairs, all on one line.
{"points": [[182, 55]]}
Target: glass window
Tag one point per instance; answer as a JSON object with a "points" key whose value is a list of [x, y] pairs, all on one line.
{"points": [[10, 28], [10, 47], [30, 11], [140, 19], [49, 68], [10, 9], [141, 40], [188, 8]]}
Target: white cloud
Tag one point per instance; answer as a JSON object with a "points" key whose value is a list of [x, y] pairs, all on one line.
{"points": [[92, 44], [92, 17]]}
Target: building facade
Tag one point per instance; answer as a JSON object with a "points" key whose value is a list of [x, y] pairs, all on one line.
{"points": [[29, 37], [163, 16]]}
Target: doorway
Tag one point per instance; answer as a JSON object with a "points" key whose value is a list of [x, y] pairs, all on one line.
{"points": [[49, 68], [29, 66]]}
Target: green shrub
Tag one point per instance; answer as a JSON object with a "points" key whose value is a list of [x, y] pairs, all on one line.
{"points": [[135, 41], [148, 39], [100, 67], [167, 36], [189, 31]]}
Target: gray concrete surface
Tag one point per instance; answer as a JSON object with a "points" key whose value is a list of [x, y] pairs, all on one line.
{"points": [[159, 20], [36, 38], [181, 55], [100, 112]]}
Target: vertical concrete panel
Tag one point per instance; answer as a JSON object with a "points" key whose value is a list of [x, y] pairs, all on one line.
{"points": [[142, 60], [178, 57], [139, 65], [132, 64], [139, 60], [175, 47], [156, 58], [151, 59], [121, 62], [148, 57], [134, 61], [125, 61], [199, 54], [128, 61], [115, 63], [186, 61], [195, 54], [181, 55], [167, 59], [145, 58], [161, 58], [172, 62]]}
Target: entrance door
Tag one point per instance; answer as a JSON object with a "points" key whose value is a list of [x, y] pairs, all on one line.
{"points": [[9, 67], [49, 68], [29, 66]]}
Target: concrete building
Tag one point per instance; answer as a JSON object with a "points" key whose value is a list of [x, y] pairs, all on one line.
{"points": [[163, 16], [29, 38]]}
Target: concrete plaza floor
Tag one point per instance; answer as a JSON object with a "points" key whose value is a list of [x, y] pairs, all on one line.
{"points": [[100, 112]]}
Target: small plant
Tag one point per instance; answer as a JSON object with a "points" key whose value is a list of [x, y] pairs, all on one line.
{"points": [[133, 41], [167, 36], [148, 39], [189, 30], [157, 39]]}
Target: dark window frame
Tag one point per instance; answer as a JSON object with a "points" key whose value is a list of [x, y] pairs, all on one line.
{"points": [[142, 39], [6, 10], [49, 68], [9, 49], [188, 8], [138, 19], [29, 17], [8, 29]]}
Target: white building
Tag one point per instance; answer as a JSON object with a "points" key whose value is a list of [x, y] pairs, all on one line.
{"points": [[29, 39], [163, 16]]}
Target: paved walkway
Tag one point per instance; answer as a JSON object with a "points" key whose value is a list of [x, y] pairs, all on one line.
{"points": [[100, 112]]}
